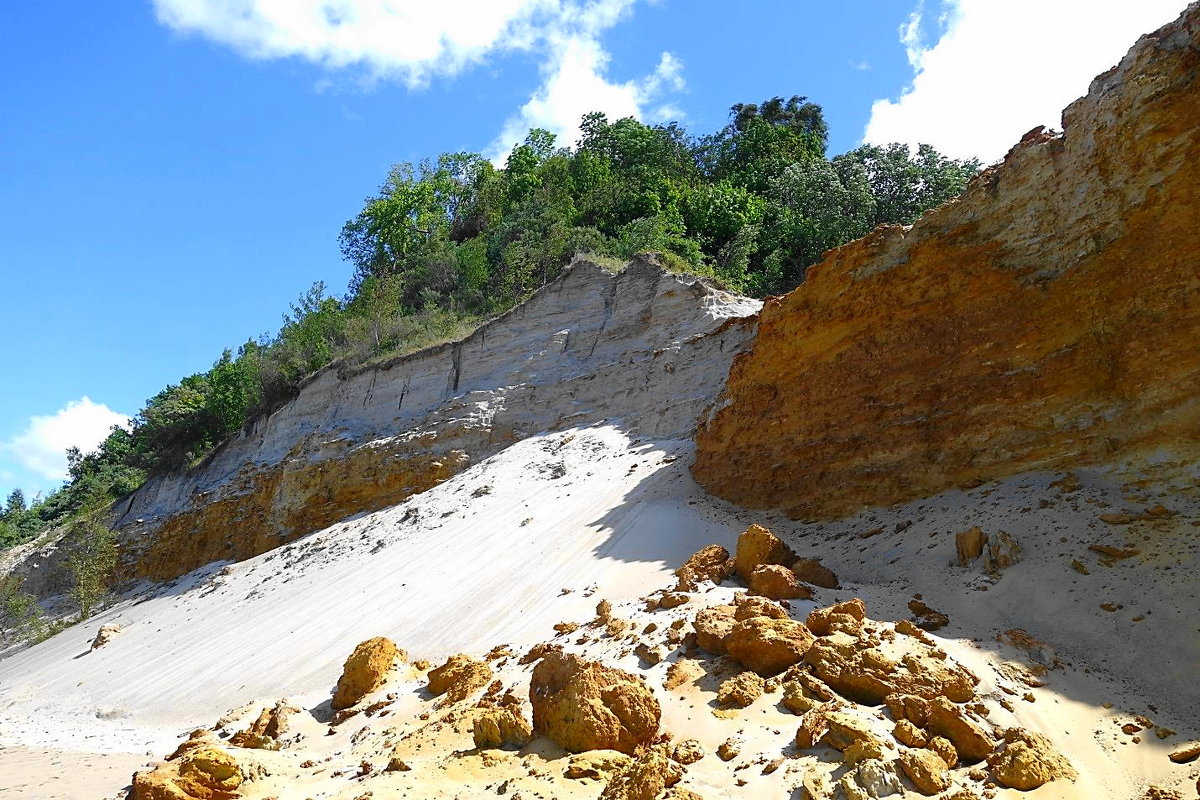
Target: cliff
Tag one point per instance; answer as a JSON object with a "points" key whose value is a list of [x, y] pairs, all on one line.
{"points": [[1049, 317], [643, 348]]}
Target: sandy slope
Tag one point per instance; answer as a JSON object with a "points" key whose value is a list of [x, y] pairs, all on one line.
{"points": [[485, 558]]}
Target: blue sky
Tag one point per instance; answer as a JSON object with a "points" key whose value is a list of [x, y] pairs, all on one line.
{"points": [[174, 172]]}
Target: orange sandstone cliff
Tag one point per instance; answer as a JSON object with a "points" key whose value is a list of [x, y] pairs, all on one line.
{"points": [[1048, 317]]}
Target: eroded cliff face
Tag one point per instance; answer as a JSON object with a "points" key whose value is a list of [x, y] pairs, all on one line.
{"points": [[1048, 317], [644, 348]]}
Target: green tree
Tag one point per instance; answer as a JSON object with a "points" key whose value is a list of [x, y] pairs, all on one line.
{"points": [[91, 563], [15, 504]]}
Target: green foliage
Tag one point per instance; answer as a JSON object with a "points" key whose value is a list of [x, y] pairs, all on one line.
{"points": [[446, 243], [91, 563], [20, 614]]}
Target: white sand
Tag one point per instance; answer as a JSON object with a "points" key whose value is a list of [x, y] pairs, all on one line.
{"points": [[483, 560]]}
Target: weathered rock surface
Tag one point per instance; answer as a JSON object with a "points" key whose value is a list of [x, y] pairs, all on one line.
{"points": [[596, 764], [713, 625], [869, 674], [203, 771], [810, 570], [740, 690], [1028, 760], [926, 770], [503, 726], [644, 778], [758, 546], [778, 583], [972, 741], [711, 563], [584, 705], [459, 678], [106, 634], [365, 671], [846, 617], [768, 646], [267, 729], [644, 345], [889, 375]]}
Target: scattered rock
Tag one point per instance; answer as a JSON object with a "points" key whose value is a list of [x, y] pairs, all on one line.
{"points": [[797, 699], [106, 634], [811, 571], [1028, 760], [740, 690], [812, 728], [863, 750], [712, 627], [673, 600], [1079, 567], [204, 773], [1002, 552], [970, 739], [846, 616], [969, 545], [1112, 552], [908, 707], [689, 751], [926, 770], [504, 726], [730, 748], [778, 583], [868, 675], [909, 734], [757, 546], [364, 671], [1185, 754], [459, 678], [926, 617], [596, 764], [750, 605], [846, 729], [711, 563], [584, 705], [649, 653], [768, 646], [877, 779], [644, 778], [942, 747], [267, 729], [1119, 518]]}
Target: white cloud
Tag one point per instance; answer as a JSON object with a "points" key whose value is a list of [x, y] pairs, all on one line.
{"points": [[999, 69], [414, 41], [575, 85], [41, 448]]}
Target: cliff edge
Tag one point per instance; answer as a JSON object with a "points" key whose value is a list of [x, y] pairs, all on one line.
{"points": [[1048, 318]]}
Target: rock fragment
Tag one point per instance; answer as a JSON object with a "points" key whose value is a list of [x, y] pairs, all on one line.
{"points": [[1028, 760], [926, 770], [711, 563], [713, 625], [459, 678], [757, 546], [584, 705], [810, 570], [768, 646], [106, 634], [740, 690], [778, 583], [364, 671]]}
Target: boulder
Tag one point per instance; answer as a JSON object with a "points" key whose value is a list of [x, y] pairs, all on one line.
{"points": [[740, 690], [596, 764], [797, 699], [908, 707], [868, 675], [811, 571], [711, 563], [909, 734], [1002, 552], [459, 678], [778, 583], [943, 749], [926, 617], [1028, 760], [757, 546], [847, 616], [926, 770], [969, 545], [689, 751], [202, 773], [106, 634], [645, 778], [970, 739], [503, 726], [265, 731], [750, 605], [712, 627], [584, 705], [846, 729], [768, 646], [364, 671]]}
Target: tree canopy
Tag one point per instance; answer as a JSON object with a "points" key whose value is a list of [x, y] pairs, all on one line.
{"points": [[449, 241]]}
